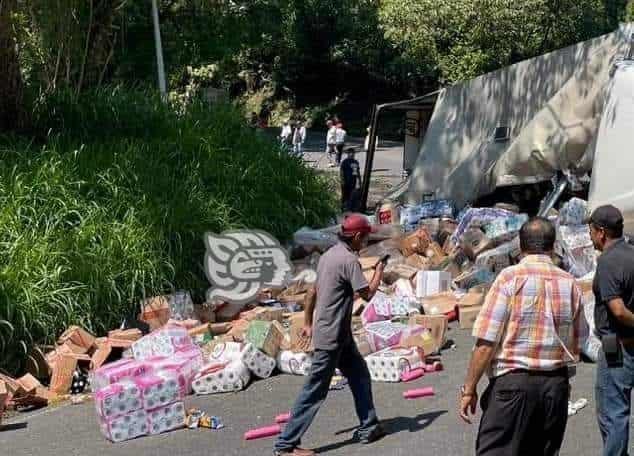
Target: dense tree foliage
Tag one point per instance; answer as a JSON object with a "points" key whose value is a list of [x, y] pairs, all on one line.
{"points": [[305, 51]]}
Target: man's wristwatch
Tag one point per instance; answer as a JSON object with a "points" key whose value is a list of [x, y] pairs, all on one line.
{"points": [[465, 393]]}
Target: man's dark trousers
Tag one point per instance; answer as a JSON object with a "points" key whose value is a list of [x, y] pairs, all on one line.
{"points": [[352, 365], [524, 413]]}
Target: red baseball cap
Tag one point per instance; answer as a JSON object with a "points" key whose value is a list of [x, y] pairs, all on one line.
{"points": [[356, 223]]}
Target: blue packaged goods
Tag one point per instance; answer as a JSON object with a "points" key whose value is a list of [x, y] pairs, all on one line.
{"points": [[436, 208], [478, 217]]}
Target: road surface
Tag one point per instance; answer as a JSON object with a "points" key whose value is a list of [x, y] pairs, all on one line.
{"points": [[427, 426]]}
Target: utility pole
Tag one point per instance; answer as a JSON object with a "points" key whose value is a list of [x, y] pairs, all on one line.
{"points": [[160, 66]]}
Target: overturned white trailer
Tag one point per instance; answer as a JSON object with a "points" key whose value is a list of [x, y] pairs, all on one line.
{"points": [[571, 110]]}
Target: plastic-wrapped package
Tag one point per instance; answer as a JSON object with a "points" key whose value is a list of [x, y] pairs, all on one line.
{"points": [[222, 378], [118, 399], [474, 242], [126, 427], [114, 372], [294, 363], [390, 364], [592, 344], [578, 251], [573, 212], [500, 257], [478, 217], [166, 418], [181, 306], [379, 308], [505, 229], [436, 208], [226, 352], [160, 389], [162, 342], [384, 334], [258, 362]]}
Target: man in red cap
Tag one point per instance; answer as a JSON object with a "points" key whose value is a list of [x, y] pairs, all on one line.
{"points": [[328, 317]]}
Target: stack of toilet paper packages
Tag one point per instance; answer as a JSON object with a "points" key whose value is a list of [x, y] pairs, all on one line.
{"points": [[577, 248], [123, 405], [505, 229], [294, 363], [477, 218], [390, 364], [163, 342], [379, 308], [186, 362], [384, 334], [221, 377], [258, 362]]}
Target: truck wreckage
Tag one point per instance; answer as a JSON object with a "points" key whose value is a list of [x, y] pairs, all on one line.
{"points": [[560, 118]]}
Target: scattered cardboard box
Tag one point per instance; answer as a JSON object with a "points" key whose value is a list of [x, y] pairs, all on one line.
{"points": [[419, 262], [394, 272], [437, 326], [220, 328], [133, 334], [78, 339], [439, 304], [155, 311], [422, 340], [62, 377], [369, 262], [417, 242], [100, 355], [468, 316], [299, 343], [265, 336], [269, 314], [471, 299], [432, 282]]}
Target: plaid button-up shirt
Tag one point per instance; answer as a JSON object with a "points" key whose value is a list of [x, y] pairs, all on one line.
{"points": [[532, 310]]}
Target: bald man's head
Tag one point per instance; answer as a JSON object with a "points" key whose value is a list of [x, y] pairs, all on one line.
{"points": [[537, 236]]}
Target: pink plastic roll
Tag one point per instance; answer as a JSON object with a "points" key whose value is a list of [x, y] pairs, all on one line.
{"points": [[436, 366], [283, 418], [417, 393], [413, 374], [263, 432]]}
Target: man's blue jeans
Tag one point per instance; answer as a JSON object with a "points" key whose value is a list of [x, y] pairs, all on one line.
{"points": [[613, 398], [352, 365]]}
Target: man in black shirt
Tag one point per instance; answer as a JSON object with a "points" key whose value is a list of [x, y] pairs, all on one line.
{"points": [[613, 289], [350, 182]]}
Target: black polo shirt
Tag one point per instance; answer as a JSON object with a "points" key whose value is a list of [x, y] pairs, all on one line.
{"points": [[614, 279]]}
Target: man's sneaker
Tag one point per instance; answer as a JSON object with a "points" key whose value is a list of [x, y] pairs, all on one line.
{"points": [[295, 452], [366, 438]]}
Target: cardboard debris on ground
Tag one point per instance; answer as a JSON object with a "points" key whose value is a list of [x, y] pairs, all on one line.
{"points": [[298, 342], [467, 316], [437, 326], [62, 376], [155, 311], [77, 339]]}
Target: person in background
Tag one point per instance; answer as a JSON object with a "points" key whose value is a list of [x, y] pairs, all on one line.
{"points": [[613, 288], [350, 174], [286, 134], [340, 140], [527, 335], [331, 142], [299, 138], [339, 277]]}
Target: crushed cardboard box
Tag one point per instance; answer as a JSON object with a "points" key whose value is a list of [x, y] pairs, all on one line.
{"points": [[468, 315]]}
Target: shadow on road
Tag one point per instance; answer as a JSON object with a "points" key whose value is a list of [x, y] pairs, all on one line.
{"points": [[391, 426], [13, 426]]}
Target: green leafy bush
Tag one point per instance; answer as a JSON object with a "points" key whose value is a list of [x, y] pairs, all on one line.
{"points": [[111, 201]]}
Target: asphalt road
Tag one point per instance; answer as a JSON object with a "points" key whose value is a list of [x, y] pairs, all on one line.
{"points": [[428, 426]]}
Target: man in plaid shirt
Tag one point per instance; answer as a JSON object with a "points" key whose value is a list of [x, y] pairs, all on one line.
{"points": [[527, 335]]}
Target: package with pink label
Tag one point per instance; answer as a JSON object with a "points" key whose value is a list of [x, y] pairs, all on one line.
{"points": [[118, 399], [186, 363], [113, 372], [222, 378], [160, 388], [166, 418], [126, 427], [378, 309], [390, 364], [294, 363], [162, 342], [384, 334]]}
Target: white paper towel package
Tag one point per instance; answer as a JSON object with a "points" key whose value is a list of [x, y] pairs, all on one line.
{"points": [[126, 427], [390, 364], [166, 418], [163, 342], [259, 363], [226, 352], [222, 378], [294, 363]]}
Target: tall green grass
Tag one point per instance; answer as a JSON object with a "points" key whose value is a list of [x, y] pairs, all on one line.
{"points": [[110, 200]]}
